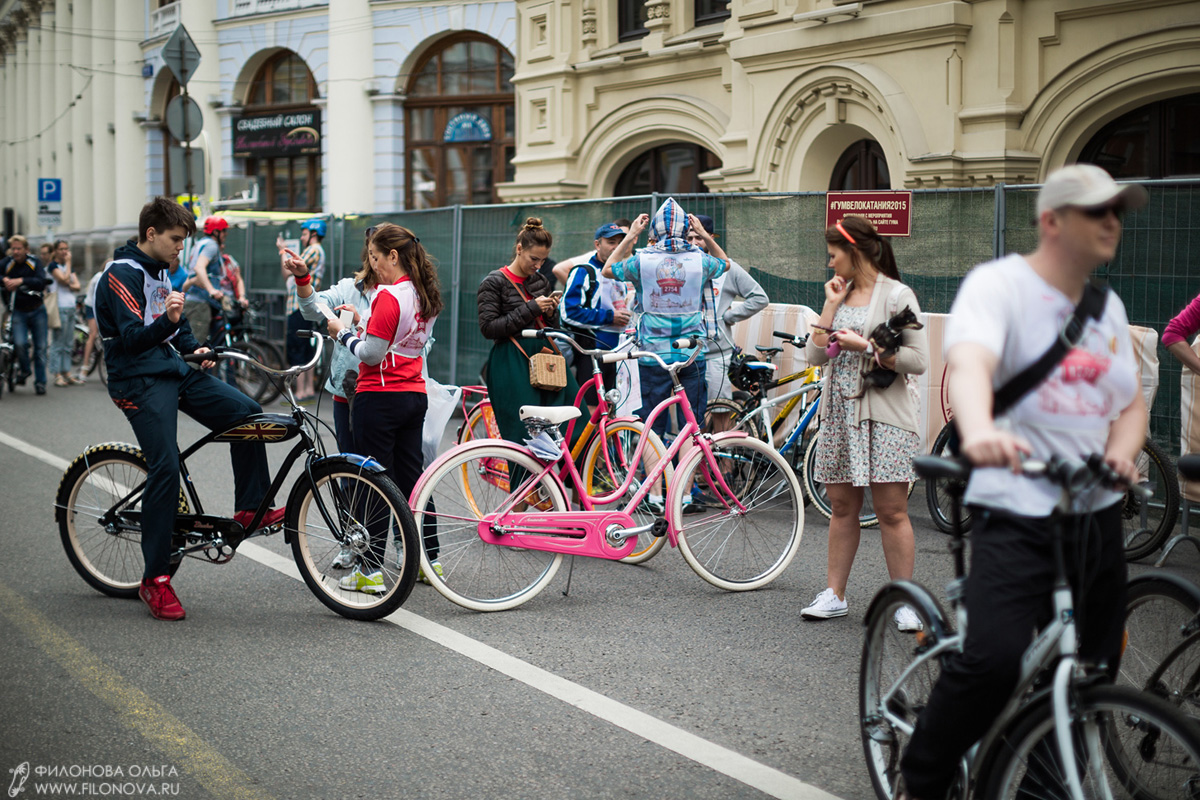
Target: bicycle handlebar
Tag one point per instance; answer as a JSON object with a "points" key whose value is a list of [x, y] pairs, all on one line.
{"points": [[679, 344], [795, 340], [550, 333], [1073, 475], [228, 353]]}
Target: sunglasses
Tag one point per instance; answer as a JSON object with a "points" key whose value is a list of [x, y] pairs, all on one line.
{"points": [[1101, 212], [369, 232]]}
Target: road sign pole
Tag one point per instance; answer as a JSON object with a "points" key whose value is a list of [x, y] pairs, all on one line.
{"points": [[187, 152]]}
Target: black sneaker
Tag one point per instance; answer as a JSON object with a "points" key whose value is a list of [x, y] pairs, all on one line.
{"points": [[40, 388], [22, 377]]}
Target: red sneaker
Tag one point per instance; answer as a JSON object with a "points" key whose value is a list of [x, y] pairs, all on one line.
{"points": [[273, 517], [158, 594]]}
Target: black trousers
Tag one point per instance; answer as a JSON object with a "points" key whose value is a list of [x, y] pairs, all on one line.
{"points": [[1008, 598], [152, 406], [387, 427]]}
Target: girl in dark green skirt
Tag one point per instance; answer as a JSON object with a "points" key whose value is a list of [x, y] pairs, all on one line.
{"points": [[511, 299]]}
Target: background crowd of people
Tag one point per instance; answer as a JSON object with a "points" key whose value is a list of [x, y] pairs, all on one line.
{"points": [[681, 282]]}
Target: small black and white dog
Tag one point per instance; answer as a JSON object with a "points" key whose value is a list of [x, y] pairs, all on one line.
{"points": [[886, 341]]}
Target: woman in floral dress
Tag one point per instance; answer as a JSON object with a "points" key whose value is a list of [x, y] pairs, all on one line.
{"points": [[868, 435]]}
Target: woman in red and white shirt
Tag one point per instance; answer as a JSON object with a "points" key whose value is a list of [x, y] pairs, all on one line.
{"points": [[390, 401]]}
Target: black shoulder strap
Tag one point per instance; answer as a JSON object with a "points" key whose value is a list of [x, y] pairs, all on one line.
{"points": [[1091, 306]]}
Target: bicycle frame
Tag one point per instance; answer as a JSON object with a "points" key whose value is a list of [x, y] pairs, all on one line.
{"points": [[603, 534], [217, 531], [1054, 645], [600, 416]]}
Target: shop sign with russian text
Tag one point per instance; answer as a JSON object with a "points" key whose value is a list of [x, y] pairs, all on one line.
{"points": [[286, 133]]}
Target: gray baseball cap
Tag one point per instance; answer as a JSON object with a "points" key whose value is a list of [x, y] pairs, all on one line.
{"points": [[1087, 186]]}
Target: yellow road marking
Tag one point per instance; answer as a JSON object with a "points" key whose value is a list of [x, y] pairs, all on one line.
{"points": [[135, 709]]}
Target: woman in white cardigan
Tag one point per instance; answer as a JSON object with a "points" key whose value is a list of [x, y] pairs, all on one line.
{"points": [[869, 433]]}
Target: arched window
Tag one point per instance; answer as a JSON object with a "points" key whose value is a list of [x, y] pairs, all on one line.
{"points": [[460, 124], [669, 169], [173, 91], [1159, 140], [861, 166], [279, 134]]}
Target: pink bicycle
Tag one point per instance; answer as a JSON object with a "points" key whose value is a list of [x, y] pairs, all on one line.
{"points": [[603, 452], [500, 544]]}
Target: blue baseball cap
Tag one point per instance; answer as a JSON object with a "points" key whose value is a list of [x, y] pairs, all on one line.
{"points": [[609, 230], [706, 221]]}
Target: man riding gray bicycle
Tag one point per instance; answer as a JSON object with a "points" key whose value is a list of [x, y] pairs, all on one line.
{"points": [[1087, 399]]}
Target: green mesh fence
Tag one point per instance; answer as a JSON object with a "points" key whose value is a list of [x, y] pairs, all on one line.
{"points": [[779, 239]]}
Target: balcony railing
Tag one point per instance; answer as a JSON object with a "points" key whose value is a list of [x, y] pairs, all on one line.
{"points": [[243, 8], [163, 20]]}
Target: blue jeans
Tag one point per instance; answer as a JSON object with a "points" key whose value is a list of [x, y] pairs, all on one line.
{"points": [[63, 342], [26, 323], [656, 387]]}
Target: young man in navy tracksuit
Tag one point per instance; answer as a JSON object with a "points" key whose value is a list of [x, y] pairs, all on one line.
{"points": [[141, 321]]}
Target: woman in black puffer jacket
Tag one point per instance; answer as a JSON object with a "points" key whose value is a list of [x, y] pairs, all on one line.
{"points": [[511, 299]]}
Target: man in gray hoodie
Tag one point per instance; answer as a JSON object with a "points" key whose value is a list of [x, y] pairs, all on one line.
{"points": [[722, 308]]}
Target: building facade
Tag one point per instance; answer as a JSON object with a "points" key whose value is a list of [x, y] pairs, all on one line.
{"points": [[798, 95], [381, 105], [327, 107]]}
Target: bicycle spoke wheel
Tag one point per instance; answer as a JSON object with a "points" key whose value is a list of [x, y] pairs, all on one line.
{"points": [[605, 465], [722, 415], [1162, 640], [250, 380], [889, 701], [480, 424], [1126, 744], [739, 549], [375, 533], [449, 503], [98, 509], [269, 354], [1146, 522], [937, 496], [820, 500]]}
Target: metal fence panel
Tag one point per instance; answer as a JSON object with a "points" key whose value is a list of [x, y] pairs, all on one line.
{"points": [[779, 239]]}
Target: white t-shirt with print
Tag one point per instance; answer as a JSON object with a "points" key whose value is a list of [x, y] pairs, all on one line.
{"points": [[1006, 307]]}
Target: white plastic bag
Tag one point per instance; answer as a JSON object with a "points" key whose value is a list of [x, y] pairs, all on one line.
{"points": [[442, 400]]}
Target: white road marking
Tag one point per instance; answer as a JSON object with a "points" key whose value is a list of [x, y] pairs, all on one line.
{"points": [[766, 779]]}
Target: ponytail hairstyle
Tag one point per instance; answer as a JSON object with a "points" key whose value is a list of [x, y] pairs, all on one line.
{"points": [[365, 275], [415, 262], [532, 234], [862, 241]]}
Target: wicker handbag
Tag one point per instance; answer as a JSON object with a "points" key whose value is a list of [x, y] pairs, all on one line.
{"points": [[547, 369]]}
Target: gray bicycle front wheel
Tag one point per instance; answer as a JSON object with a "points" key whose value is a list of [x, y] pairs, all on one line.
{"points": [[1126, 744]]}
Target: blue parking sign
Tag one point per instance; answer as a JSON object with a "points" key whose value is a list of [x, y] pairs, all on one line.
{"points": [[49, 190]]}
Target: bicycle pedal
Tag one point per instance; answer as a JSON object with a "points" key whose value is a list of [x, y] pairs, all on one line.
{"points": [[659, 528]]}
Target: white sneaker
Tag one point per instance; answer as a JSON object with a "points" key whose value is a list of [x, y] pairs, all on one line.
{"points": [[344, 560], [907, 620], [825, 606]]}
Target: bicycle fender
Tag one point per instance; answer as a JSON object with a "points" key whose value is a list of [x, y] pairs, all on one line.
{"points": [[1154, 576], [917, 595], [364, 463], [476, 444]]}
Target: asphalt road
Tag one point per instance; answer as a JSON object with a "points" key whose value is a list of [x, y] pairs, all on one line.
{"points": [[644, 682]]}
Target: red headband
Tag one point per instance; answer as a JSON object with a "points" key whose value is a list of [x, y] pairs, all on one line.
{"points": [[842, 230]]}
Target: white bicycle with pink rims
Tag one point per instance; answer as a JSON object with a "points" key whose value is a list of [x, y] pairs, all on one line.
{"points": [[503, 521]]}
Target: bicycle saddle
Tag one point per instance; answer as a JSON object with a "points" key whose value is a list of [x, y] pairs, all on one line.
{"points": [[553, 414], [768, 351]]}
